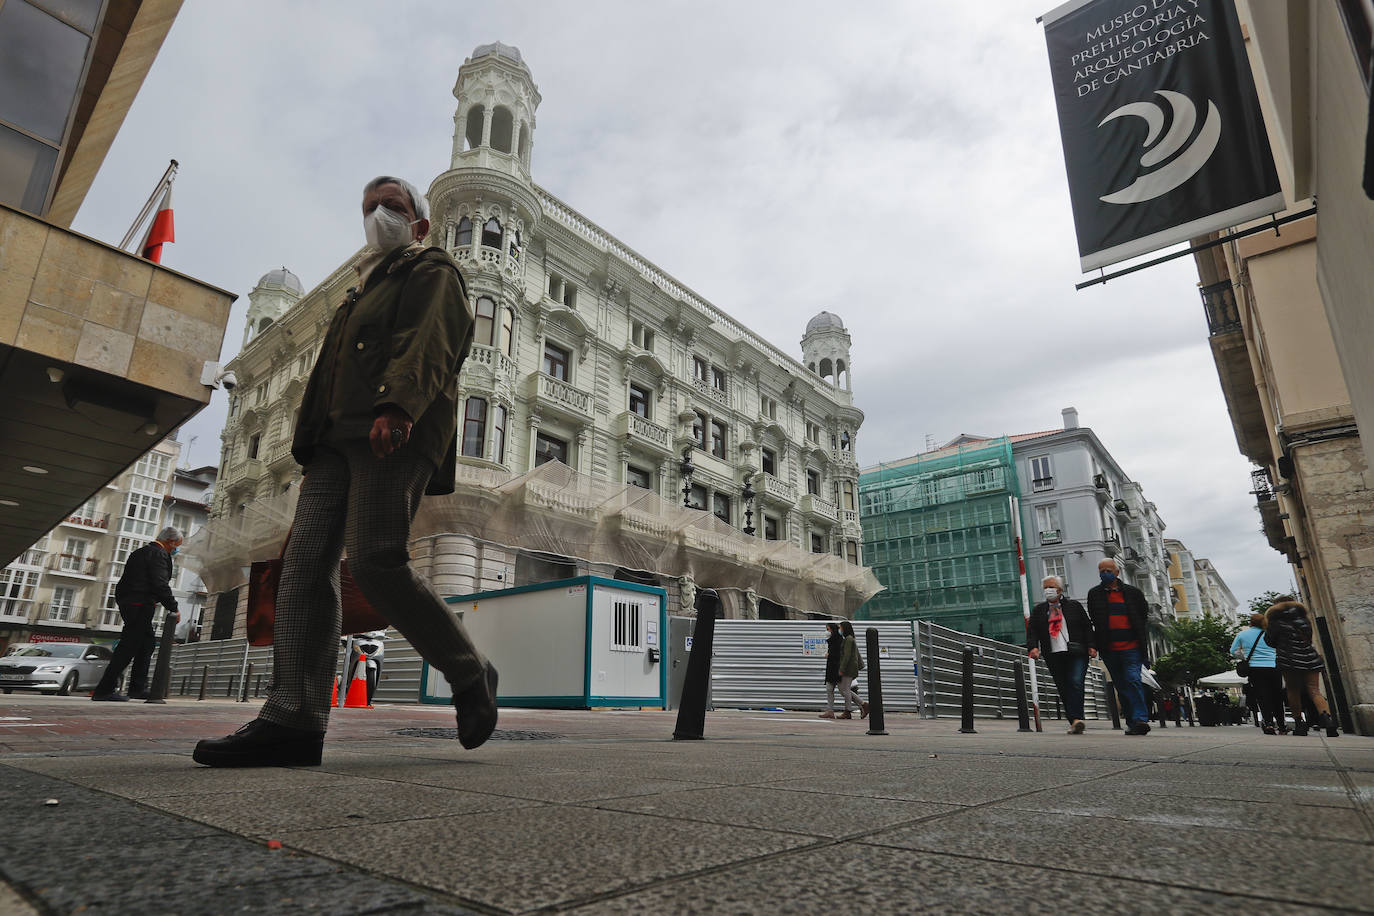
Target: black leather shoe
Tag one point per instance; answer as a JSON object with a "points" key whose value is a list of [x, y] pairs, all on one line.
{"points": [[262, 744], [114, 697], [476, 708]]}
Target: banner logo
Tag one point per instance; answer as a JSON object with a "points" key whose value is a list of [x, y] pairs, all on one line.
{"points": [[1186, 164]]}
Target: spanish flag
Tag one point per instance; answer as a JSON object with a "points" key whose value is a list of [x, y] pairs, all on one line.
{"points": [[161, 231]]}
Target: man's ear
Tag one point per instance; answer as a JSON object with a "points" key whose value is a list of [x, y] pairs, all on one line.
{"points": [[421, 229]]}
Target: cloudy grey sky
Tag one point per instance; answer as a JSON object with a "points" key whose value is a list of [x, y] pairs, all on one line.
{"points": [[897, 163]]}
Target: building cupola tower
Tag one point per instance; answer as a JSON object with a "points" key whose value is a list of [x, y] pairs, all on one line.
{"points": [[825, 350], [272, 298], [494, 124]]}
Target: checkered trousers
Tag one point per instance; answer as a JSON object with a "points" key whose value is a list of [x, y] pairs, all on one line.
{"points": [[351, 500]]}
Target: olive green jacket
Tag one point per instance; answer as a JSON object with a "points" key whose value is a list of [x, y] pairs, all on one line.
{"points": [[400, 340], [850, 661]]}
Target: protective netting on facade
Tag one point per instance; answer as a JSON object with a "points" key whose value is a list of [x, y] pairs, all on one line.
{"points": [[554, 510]]}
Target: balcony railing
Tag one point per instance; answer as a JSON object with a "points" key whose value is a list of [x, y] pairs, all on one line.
{"points": [[101, 521], [1052, 536], [1130, 555], [778, 489], [1042, 483], [706, 389], [61, 614], [16, 609], [1219, 302], [562, 393], [1263, 485], [73, 565], [819, 507], [498, 361], [1111, 542], [642, 429], [30, 557], [849, 516]]}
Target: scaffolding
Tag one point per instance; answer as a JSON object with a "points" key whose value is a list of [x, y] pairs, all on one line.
{"points": [[939, 534]]}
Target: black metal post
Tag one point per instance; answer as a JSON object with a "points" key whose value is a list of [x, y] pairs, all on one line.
{"points": [[691, 711], [204, 680], [1022, 710], [1113, 707], [247, 679], [162, 669], [966, 728], [1333, 671], [233, 680], [876, 723], [1163, 716]]}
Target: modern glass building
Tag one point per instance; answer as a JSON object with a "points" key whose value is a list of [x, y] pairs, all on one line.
{"points": [[939, 533]]}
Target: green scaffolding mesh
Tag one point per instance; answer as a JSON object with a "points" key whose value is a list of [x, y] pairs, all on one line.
{"points": [[938, 533]]}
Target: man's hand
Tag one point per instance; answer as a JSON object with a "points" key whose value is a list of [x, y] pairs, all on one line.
{"points": [[390, 430], [1033, 654]]}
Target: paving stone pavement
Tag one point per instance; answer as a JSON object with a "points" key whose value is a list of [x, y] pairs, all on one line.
{"points": [[601, 812]]}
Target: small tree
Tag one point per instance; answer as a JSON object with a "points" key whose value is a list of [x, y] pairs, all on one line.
{"points": [[1261, 603], [1201, 647]]}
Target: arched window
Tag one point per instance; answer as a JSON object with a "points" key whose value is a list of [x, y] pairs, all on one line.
{"points": [[486, 322], [826, 370], [508, 331], [472, 135], [264, 324], [498, 434], [491, 234], [502, 128], [475, 427], [464, 232]]}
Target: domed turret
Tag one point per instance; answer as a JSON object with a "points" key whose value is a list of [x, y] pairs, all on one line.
{"points": [[272, 298], [825, 349], [494, 124]]}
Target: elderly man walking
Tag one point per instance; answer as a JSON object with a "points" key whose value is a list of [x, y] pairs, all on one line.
{"points": [[144, 584], [1120, 619], [377, 429]]}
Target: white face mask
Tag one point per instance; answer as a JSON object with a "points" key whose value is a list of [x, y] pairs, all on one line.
{"points": [[386, 229], [1051, 594]]}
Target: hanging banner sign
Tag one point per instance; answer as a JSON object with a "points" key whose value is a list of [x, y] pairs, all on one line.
{"points": [[1163, 137]]}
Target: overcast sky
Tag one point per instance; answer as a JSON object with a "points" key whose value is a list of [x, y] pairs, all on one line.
{"points": [[897, 163]]}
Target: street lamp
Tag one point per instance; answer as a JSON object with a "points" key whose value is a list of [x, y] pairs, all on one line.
{"points": [[687, 469], [747, 494]]}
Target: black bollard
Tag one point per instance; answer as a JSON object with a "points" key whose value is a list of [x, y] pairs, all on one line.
{"points": [[204, 680], [1022, 710], [1163, 716], [966, 728], [162, 670], [696, 685], [1113, 707], [876, 723], [247, 679]]}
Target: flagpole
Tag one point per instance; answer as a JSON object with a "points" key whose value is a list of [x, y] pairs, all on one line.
{"points": [[153, 200]]}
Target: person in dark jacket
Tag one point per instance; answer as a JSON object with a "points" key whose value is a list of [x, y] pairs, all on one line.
{"points": [[1060, 631], [1289, 631], [851, 663], [377, 430], [1120, 618], [834, 646], [144, 584]]}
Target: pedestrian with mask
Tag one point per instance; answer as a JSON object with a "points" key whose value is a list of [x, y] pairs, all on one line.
{"points": [[1291, 633], [1060, 631], [851, 663], [144, 584], [1120, 619], [377, 430], [1252, 650], [834, 647]]}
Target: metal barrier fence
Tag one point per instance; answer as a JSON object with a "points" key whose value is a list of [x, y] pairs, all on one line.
{"points": [[766, 663], [940, 651]]}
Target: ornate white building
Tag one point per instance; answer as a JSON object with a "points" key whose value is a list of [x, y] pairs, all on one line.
{"points": [[584, 352]]}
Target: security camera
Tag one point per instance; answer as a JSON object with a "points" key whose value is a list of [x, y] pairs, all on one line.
{"points": [[228, 379], [212, 376]]}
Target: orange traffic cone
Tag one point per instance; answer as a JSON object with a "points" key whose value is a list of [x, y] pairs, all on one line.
{"points": [[334, 696], [357, 688]]}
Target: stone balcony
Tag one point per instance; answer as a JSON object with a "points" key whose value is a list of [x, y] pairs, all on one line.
{"points": [[642, 431], [816, 507], [562, 396], [776, 489]]}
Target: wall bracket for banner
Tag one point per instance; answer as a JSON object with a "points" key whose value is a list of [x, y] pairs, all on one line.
{"points": [[1274, 224]]}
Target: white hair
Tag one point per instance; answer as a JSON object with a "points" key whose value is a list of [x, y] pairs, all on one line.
{"points": [[169, 535], [417, 200]]}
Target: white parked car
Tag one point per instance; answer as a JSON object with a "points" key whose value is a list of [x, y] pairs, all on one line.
{"points": [[53, 667]]}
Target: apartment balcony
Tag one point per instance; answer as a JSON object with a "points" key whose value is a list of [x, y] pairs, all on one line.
{"points": [[777, 490], [844, 461], [100, 522], [637, 430], [1122, 508], [1042, 483], [67, 564], [1101, 488], [30, 559], [279, 457], [15, 611], [1219, 304], [1131, 556], [1267, 502], [51, 615], [1111, 542], [102, 353], [850, 517], [819, 508], [1052, 536], [711, 393], [562, 397]]}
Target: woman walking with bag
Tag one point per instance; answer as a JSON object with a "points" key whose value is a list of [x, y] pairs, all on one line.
{"points": [[1260, 666], [1060, 631], [1290, 633], [851, 663], [834, 647]]}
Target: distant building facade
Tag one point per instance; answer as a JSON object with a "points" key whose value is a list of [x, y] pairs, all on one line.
{"points": [[584, 353]]}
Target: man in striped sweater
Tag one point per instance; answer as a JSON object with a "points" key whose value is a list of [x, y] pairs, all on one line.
{"points": [[1121, 625]]}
